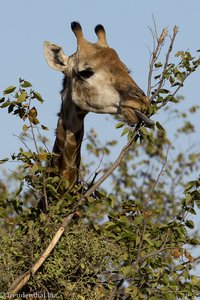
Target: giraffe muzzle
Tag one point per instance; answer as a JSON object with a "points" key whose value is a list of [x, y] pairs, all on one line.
{"points": [[136, 110]]}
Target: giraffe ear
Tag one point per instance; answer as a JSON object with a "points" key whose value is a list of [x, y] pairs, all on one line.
{"points": [[55, 56]]}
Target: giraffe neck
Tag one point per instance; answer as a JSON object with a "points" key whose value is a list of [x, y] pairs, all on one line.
{"points": [[69, 136]]}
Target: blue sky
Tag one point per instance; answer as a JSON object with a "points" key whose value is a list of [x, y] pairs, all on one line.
{"points": [[24, 25]]}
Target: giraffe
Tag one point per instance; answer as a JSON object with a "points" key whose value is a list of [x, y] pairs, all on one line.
{"points": [[95, 80]]}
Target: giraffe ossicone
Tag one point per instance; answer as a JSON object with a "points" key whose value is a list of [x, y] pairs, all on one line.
{"points": [[95, 81]]}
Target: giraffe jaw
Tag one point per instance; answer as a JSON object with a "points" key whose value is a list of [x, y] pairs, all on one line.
{"points": [[136, 110]]}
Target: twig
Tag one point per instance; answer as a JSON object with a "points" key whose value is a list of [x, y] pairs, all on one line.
{"points": [[94, 177], [176, 90], [45, 198], [23, 279], [175, 31], [154, 57]]}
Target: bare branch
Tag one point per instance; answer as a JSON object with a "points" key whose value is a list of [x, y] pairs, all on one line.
{"points": [[160, 42], [154, 56]]}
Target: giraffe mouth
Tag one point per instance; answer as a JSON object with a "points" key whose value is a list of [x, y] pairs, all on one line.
{"points": [[136, 111], [135, 115]]}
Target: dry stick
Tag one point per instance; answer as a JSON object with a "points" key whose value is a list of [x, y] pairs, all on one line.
{"points": [[161, 40], [154, 56], [23, 279]]}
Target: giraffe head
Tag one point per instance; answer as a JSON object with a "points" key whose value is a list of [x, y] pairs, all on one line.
{"points": [[97, 79]]}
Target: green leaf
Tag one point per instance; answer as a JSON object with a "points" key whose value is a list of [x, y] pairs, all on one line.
{"points": [[25, 127], [158, 65], [44, 127], [163, 91], [37, 96], [194, 241], [22, 97], [159, 126], [119, 125], [56, 179], [35, 121], [190, 185], [52, 189], [189, 224], [157, 76], [198, 203], [30, 224], [174, 100], [5, 104], [179, 53], [9, 89], [180, 267], [144, 131], [43, 217], [10, 108], [125, 131], [27, 154], [25, 84], [127, 271]]}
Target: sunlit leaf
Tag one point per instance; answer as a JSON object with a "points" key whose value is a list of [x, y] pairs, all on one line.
{"points": [[44, 127], [125, 131], [38, 96], [9, 89], [25, 127], [119, 125], [22, 97], [189, 224], [25, 84], [159, 126]]}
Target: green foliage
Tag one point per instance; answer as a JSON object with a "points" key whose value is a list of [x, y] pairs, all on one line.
{"points": [[135, 242]]}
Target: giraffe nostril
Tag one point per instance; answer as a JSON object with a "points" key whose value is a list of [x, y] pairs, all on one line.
{"points": [[137, 93], [134, 95], [141, 96]]}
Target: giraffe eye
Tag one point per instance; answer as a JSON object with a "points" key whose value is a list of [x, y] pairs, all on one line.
{"points": [[85, 74]]}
